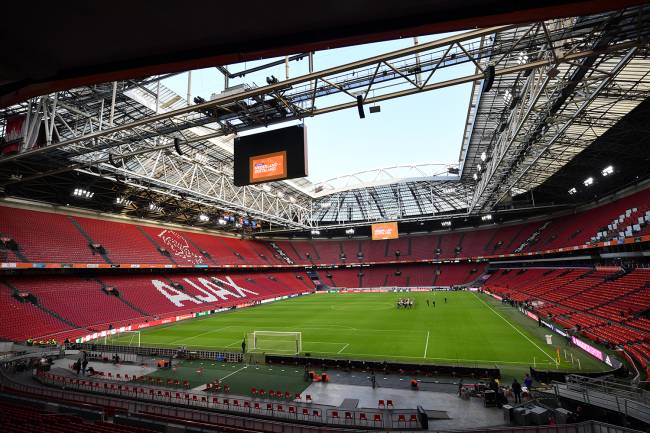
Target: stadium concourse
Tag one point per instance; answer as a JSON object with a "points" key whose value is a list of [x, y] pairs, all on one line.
{"points": [[167, 264]]}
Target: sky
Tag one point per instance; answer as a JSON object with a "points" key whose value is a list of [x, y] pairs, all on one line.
{"points": [[417, 129]]}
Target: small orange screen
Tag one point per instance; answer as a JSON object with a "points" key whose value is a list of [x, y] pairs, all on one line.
{"points": [[384, 231], [271, 166]]}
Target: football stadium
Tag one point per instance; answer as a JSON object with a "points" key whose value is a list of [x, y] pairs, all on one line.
{"points": [[424, 216]]}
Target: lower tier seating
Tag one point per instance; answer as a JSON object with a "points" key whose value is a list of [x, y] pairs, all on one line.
{"points": [[603, 305]]}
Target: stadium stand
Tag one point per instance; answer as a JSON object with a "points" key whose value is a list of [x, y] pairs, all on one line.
{"points": [[54, 237], [65, 304], [602, 305], [19, 419]]}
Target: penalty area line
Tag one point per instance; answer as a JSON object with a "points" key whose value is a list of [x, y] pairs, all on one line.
{"points": [[343, 348]]}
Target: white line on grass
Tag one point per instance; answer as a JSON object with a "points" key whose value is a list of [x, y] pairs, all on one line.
{"points": [[426, 346], [234, 372], [233, 344], [198, 335], [457, 360], [514, 327], [344, 347]]}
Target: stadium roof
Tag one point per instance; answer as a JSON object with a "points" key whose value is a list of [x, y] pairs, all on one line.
{"points": [[558, 86], [72, 44]]}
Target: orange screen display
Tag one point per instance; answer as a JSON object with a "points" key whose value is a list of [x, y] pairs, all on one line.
{"points": [[384, 231], [271, 166]]}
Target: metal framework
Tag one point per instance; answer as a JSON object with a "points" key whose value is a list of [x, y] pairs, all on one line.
{"points": [[558, 85]]}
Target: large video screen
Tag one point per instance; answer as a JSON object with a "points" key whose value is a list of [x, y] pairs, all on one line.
{"points": [[383, 231], [271, 156]]}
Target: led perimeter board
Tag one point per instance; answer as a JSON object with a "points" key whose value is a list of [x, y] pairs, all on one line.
{"points": [[270, 156]]}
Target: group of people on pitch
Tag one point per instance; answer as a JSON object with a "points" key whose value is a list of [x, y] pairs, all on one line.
{"points": [[405, 303]]}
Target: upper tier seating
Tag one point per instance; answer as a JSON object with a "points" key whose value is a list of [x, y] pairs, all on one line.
{"points": [[50, 237], [46, 237]]}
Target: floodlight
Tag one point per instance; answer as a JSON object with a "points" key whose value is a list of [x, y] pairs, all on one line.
{"points": [[204, 218], [588, 181], [483, 156], [607, 170], [573, 191]]}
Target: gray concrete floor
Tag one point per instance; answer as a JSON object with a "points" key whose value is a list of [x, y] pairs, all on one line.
{"points": [[461, 413], [106, 367]]}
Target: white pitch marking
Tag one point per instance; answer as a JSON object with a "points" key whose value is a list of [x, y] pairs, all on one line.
{"points": [[514, 327], [344, 347], [198, 335], [426, 346], [234, 372]]}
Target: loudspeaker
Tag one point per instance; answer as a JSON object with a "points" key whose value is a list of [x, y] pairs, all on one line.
{"points": [[177, 146], [362, 115], [488, 78]]}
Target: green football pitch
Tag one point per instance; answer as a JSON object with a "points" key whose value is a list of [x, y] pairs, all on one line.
{"points": [[469, 329]]}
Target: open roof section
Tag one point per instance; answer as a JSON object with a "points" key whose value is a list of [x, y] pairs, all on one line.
{"points": [[80, 44]]}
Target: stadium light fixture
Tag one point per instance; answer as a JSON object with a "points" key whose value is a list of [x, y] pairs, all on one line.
{"points": [[522, 58], [479, 167], [292, 199], [588, 181], [475, 176], [204, 218], [446, 223], [507, 97], [315, 232], [153, 207], [349, 232], [448, 190], [573, 191], [487, 217], [122, 201], [83, 193], [280, 194], [222, 222], [325, 204], [483, 156], [607, 171]]}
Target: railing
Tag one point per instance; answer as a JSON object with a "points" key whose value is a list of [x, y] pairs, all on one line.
{"points": [[576, 381], [290, 411], [159, 351], [608, 395]]}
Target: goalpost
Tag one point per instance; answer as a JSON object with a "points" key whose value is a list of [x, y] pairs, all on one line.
{"points": [[284, 343], [126, 338]]}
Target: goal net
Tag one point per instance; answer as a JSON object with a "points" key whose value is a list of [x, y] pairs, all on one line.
{"points": [[126, 338], [285, 343]]}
